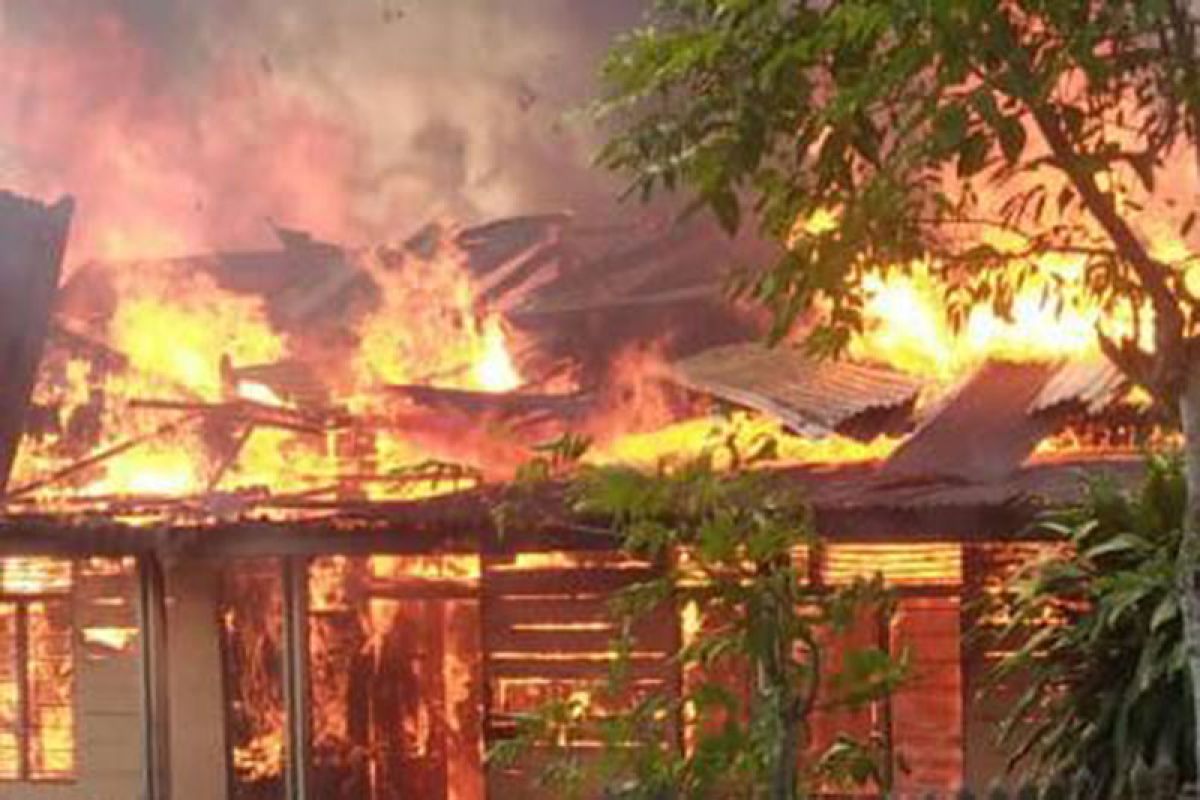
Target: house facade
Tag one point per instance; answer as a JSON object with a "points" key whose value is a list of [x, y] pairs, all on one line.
{"points": [[378, 655]]}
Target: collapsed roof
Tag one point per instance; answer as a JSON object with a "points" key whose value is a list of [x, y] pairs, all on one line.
{"points": [[581, 294], [810, 397]]}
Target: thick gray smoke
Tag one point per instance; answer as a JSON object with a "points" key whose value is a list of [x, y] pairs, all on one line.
{"points": [[451, 107]]}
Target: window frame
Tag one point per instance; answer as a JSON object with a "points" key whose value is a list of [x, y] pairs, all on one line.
{"points": [[21, 603]]}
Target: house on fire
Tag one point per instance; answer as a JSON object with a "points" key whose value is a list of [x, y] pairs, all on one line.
{"points": [[343, 642]]}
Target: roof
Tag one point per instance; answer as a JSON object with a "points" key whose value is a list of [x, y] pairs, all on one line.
{"points": [[851, 502], [1089, 385], [980, 432], [1043, 481], [682, 263], [811, 397]]}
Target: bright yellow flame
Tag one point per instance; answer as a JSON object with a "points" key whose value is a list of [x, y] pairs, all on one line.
{"points": [[494, 370], [179, 328], [153, 470], [907, 327], [258, 393], [430, 330], [742, 434], [117, 639]]}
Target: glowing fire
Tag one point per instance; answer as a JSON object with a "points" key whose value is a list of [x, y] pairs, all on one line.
{"points": [[739, 436], [38, 676], [182, 415], [171, 326], [429, 328], [494, 370], [907, 324]]}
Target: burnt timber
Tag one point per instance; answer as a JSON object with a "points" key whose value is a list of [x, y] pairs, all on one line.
{"points": [[852, 503], [33, 239]]}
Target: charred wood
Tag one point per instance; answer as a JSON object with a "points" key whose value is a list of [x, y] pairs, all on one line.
{"points": [[232, 450], [33, 239], [248, 411], [508, 405]]}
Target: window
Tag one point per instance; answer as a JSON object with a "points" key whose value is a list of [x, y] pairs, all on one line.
{"points": [[37, 715]]}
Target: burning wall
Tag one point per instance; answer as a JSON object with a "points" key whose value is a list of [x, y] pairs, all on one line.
{"points": [[70, 698]]}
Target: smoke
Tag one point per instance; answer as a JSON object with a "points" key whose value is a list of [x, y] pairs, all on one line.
{"points": [[183, 125]]}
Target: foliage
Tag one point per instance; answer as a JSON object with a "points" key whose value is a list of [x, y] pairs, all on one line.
{"points": [[866, 135], [971, 138], [726, 544], [1102, 655]]}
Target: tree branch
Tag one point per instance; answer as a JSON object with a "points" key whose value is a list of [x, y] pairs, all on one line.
{"points": [[1170, 357]]}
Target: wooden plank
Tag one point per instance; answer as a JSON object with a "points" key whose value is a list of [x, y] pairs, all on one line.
{"points": [[423, 589], [152, 602], [33, 238], [104, 616], [298, 765], [93, 587], [574, 581], [505, 611], [655, 631], [507, 640], [566, 668]]}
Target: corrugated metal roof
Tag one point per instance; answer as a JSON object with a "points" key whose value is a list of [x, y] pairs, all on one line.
{"points": [[681, 264], [983, 431], [1052, 480], [809, 396], [1089, 384]]}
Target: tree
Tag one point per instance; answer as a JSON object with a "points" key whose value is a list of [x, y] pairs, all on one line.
{"points": [[726, 542], [867, 135], [1100, 655]]}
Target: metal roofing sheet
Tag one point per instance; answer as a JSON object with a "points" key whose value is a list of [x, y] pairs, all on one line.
{"points": [[1089, 384], [983, 431], [810, 396], [1051, 480]]}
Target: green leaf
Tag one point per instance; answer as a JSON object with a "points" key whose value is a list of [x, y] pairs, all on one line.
{"points": [[1143, 165], [1123, 543], [973, 153], [1011, 133], [1188, 223], [949, 128], [1167, 611], [725, 205]]}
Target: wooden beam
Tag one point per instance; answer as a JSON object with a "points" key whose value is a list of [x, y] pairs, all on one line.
{"points": [[33, 238], [152, 608], [24, 701], [250, 539], [296, 686]]}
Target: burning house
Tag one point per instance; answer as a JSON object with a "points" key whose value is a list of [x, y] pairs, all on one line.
{"points": [[248, 545]]}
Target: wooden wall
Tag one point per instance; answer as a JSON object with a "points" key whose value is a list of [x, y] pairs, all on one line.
{"points": [[547, 636], [197, 713], [927, 713], [107, 690], [494, 639]]}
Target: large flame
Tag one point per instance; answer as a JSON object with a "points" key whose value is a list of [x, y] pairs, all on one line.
{"points": [[908, 328], [177, 417]]}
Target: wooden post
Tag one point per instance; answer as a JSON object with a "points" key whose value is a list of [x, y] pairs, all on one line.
{"points": [[296, 677], [24, 701], [33, 238], [968, 656], [886, 729], [152, 614]]}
